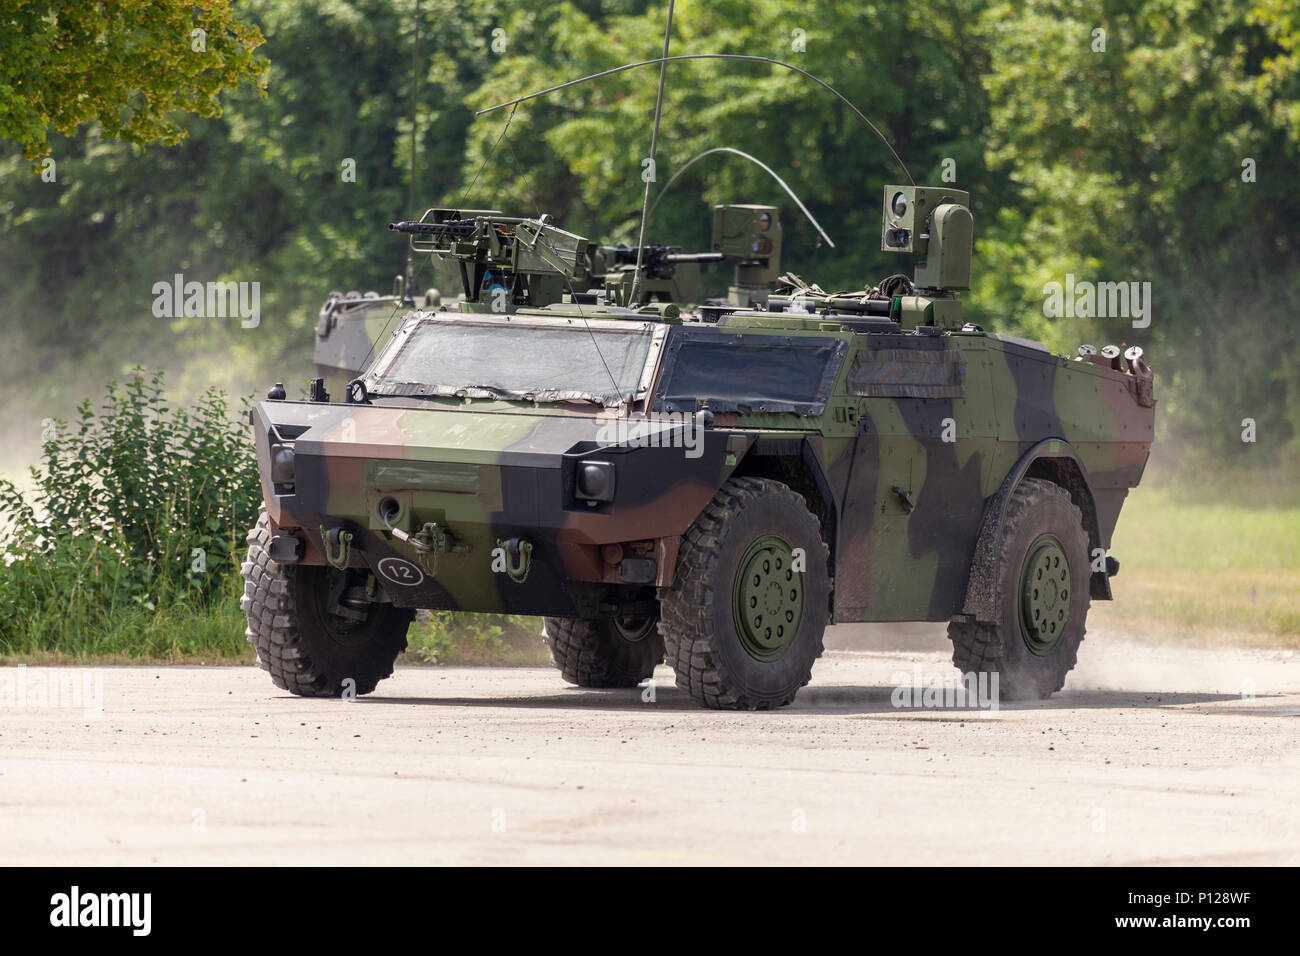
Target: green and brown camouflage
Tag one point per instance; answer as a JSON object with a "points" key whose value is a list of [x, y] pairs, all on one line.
{"points": [[902, 436], [576, 437]]}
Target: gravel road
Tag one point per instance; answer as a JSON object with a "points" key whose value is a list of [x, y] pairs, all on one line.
{"points": [[1150, 755]]}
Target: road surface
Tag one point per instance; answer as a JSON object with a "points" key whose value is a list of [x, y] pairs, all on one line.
{"points": [[1151, 755]]}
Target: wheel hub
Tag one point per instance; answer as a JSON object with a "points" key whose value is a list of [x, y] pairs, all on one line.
{"points": [[343, 612], [767, 598], [633, 629], [1044, 594]]}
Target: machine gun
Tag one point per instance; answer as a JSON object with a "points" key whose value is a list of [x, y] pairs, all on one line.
{"points": [[667, 273], [453, 228], [658, 262], [510, 262], [505, 262], [748, 235]]}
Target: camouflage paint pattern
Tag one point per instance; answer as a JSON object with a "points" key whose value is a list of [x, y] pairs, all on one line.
{"points": [[905, 463]]}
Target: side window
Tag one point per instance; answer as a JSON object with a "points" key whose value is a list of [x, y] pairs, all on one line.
{"points": [[747, 371]]}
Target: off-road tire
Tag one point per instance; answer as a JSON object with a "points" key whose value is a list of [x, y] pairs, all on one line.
{"points": [[1036, 508], [701, 635], [603, 652], [292, 642]]}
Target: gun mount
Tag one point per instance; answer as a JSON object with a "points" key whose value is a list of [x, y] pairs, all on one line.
{"points": [[667, 273], [505, 262], [509, 262]]}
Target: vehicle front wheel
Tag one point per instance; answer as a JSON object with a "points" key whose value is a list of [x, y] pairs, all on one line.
{"points": [[316, 628], [744, 619]]}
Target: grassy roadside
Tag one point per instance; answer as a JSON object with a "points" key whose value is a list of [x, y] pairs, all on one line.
{"points": [[1207, 573], [214, 635], [179, 634]]}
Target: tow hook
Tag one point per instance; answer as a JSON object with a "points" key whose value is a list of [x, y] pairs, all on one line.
{"points": [[515, 557], [338, 546]]}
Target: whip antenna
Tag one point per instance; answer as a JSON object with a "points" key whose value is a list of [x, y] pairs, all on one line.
{"points": [[415, 102], [744, 57], [650, 177]]}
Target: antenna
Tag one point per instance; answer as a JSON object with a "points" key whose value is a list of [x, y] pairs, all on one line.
{"points": [[713, 56], [757, 162], [415, 102], [654, 141]]}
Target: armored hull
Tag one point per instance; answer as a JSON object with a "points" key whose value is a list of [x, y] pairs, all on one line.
{"points": [[899, 441]]}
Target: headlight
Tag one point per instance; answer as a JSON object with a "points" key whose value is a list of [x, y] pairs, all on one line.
{"points": [[282, 465], [899, 204], [595, 480]]}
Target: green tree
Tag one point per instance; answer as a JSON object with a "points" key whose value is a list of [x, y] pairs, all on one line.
{"points": [[255, 194], [127, 66], [912, 68], [1168, 156]]}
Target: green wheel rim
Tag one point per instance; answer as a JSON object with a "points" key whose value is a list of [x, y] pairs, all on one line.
{"points": [[767, 598], [1044, 594]]}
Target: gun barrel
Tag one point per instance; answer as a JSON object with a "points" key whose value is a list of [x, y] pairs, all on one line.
{"points": [[452, 227], [626, 255], [695, 257]]}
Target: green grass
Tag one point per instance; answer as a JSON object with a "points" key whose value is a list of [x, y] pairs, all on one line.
{"points": [[501, 640], [1208, 572], [193, 633], [178, 634]]}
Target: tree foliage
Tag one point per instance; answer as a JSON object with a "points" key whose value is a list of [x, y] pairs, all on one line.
{"points": [[127, 66], [1117, 164]]}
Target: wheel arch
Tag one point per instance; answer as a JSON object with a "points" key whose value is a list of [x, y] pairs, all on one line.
{"points": [[1054, 460], [795, 463]]}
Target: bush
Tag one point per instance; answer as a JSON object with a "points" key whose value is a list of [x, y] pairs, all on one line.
{"points": [[138, 512], [450, 637], [130, 542]]}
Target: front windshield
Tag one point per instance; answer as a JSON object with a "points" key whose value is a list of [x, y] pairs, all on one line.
{"points": [[515, 357]]}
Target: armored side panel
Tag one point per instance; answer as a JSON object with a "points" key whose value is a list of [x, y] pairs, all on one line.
{"points": [[944, 421]]}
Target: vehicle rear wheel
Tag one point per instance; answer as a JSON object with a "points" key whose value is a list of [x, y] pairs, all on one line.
{"points": [[1042, 576], [744, 619], [606, 652], [315, 628]]}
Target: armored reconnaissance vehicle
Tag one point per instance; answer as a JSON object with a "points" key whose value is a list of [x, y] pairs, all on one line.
{"points": [[712, 487]]}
